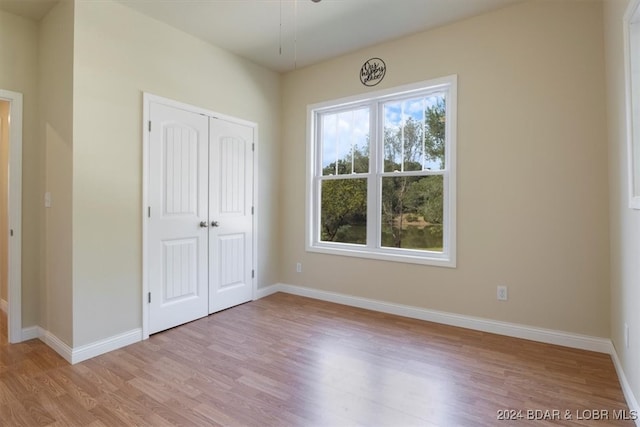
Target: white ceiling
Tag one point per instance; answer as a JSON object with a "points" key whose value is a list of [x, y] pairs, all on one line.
{"points": [[285, 34]]}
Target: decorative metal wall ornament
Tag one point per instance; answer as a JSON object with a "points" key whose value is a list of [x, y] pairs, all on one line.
{"points": [[372, 72]]}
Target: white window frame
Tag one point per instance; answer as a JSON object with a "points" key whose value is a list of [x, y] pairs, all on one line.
{"points": [[373, 249], [632, 86]]}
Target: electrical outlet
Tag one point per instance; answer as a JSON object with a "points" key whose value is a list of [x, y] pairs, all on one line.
{"points": [[299, 267], [502, 293], [626, 335]]}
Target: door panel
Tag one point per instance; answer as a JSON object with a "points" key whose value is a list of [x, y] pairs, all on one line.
{"points": [[179, 272], [230, 208], [178, 201], [232, 175], [232, 264], [180, 172]]}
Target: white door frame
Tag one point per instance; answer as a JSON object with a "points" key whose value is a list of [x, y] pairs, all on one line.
{"points": [[14, 315], [147, 99]]}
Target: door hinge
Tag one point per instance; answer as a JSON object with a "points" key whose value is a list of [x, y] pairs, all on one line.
{"points": [[252, 210], [149, 125], [253, 146], [149, 297], [149, 211], [253, 274], [11, 232]]}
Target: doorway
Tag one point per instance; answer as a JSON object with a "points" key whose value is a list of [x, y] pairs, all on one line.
{"points": [[11, 211], [199, 222]]}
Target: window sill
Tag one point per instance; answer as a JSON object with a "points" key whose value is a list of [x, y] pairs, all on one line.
{"points": [[437, 259]]}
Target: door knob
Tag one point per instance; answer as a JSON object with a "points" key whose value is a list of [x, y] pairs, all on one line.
{"points": [[204, 224], [215, 223]]}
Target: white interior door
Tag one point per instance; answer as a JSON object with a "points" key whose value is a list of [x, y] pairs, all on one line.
{"points": [[200, 219], [230, 214], [177, 233]]}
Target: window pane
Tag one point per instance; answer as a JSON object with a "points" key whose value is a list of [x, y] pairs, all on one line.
{"points": [[345, 142], [412, 212], [393, 137], [414, 134], [434, 132], [343, 214]]}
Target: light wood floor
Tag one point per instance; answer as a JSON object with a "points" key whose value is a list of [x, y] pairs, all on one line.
{"points": [[291, 361]]}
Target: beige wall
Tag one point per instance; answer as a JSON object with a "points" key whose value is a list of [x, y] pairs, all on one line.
{"points": [[56, 114], [625, 222], [19, 73], [532, 169], [4, 201], [119, 54]]}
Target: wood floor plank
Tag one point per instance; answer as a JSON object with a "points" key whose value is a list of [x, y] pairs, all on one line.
{"points": [[16, 414], [286, 360]]}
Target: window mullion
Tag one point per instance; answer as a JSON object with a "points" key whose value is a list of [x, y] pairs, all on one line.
{"points": [[379, 131], [337, 143], [353, 121], [316, 204], [447, 132], [446, 213], [402, 136], [424, 131], [372, 187]]}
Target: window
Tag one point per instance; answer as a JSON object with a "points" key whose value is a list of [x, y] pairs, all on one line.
{"points": [[381, 174]]}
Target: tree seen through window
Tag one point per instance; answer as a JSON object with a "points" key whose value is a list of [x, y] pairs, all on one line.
{"points": [[409, 179]]}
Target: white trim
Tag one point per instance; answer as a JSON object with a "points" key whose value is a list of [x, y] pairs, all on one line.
{"points": [[147, 99], [390, 92], [373, 249], [632, 15], [626, 387], [85, 352], [268, 290], [146, 102], [31, 333], [254, 280], [549, 336], [88, 351], [14, 312], [56, 344], [452, 158], [3, 306]]}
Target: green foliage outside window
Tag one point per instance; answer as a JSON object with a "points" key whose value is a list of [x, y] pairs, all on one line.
{"points": [[411, 206]]}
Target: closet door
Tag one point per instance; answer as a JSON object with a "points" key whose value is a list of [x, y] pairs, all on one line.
{"points": [[231, 214], [178, 224]]}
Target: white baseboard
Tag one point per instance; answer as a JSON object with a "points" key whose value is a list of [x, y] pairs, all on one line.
{"points": [[57, 344], [266, 291], [32, 332], [549, 336], [3, 305], [626, 387], [85, 352]]}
